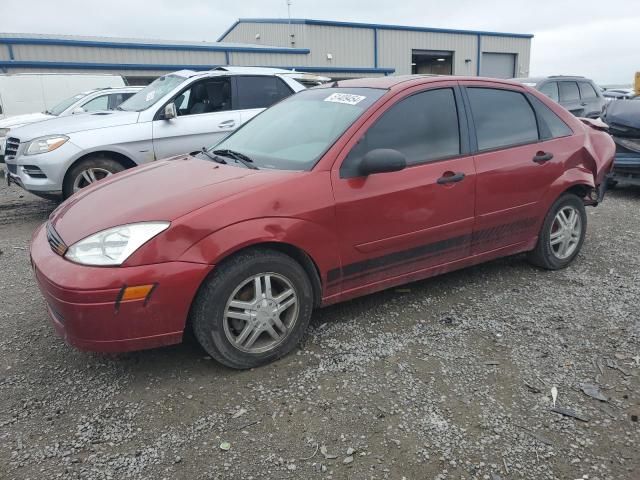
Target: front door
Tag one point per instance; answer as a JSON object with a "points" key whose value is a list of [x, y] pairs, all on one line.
{"points": [[396, 223], [204, 118], [515, 164]]}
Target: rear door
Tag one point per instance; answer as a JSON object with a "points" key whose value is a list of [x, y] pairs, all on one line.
{"points": [[396, 223], [518, 157], [254, 93], [570, 97], [589, 100], [205, 117]]}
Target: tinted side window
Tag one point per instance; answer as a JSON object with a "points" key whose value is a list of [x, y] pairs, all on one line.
{"points": [[502, 118], [587, 91], [260, 92], [569, 91], [424, 127], [206, 96], [557, 128], [550, 89]]}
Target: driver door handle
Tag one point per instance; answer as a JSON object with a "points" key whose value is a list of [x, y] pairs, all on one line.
{"points": [[450, 177], [542, 157], [227, 124]]}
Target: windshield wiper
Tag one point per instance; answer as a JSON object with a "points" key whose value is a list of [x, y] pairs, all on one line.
{"points": [[215, 158], [238, 157]]}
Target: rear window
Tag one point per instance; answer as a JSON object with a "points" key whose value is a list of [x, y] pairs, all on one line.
{"points": [[259, 92], [587, 91], [502, 118], [569, 91]]}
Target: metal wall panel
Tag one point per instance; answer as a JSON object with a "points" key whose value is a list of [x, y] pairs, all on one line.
{"points": [[520, 46], [124, 73], [116, 55], [349, 47], [271, 34], [395, 46], [267, 59]]}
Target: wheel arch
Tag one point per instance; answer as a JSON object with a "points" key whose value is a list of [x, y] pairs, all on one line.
{"points": [[122, 159], [311, 243], [298, 254]]}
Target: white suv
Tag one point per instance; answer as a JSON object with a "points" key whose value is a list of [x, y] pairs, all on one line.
{"points": [[178, 113], [90, 101]]}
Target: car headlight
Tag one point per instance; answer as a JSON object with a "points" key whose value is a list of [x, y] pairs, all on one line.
{"points": [[4, 132], [45, 144], [113, 246]]}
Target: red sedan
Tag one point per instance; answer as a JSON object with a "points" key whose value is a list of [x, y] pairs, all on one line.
{"points": [[333, 193]]}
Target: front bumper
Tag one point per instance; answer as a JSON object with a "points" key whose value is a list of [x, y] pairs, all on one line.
{"points": [[82, 301], [53, 166]]}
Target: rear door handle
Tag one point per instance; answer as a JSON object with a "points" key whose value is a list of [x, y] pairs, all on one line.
{"points": [[542, 157], [450, 177], [227, 124]]}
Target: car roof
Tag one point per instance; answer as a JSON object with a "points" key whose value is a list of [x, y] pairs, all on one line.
{"points": [[396, 80], [537, 80], [231, 71]]}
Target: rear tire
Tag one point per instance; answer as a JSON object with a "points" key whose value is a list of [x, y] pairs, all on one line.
{"points": [[89, 171], [562, 234], [243, 325]]}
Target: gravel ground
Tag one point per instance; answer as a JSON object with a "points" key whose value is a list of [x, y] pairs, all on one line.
{"points": [[448, 378]]}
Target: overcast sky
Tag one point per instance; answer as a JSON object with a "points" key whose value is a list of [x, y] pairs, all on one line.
{"points": [[598, 39]]}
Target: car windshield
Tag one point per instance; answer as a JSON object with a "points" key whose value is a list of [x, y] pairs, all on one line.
{"points": [[151, 93], [63, 105], [295, 133]]}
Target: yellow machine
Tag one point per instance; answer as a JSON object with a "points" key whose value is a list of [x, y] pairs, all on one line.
{"points": [[637, 84]]}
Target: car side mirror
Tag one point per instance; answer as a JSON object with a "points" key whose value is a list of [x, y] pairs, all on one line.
{"points": [[170, 111], [77, 110], [382, 160]]}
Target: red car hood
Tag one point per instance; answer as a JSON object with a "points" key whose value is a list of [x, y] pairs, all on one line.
{"points": [[162, 190]]}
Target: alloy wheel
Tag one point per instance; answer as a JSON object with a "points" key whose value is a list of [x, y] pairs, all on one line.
{"points": [[566, 231], [89, 176], [260, 313]]}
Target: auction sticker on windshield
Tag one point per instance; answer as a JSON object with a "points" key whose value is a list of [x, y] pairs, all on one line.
{"points": [[347, 98]]}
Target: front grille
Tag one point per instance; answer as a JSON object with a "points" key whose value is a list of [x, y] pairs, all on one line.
{"points": [[55, 242], [13, 168], [11, 147]]}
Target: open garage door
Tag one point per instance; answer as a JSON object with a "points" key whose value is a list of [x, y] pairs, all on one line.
{"points": [[498, 65], [432, 62]]}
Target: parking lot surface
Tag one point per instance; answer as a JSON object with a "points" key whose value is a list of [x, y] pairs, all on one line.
{"points": [[448, 378]]}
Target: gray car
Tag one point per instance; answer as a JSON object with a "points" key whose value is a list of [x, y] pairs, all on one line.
{"points": [[177, 113], [579, 95]]}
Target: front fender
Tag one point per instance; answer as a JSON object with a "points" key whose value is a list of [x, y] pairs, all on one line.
{"points": [[317, 241]]}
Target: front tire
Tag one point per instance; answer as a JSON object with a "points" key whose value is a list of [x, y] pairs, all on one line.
{"points": [[562, 233], [254, 309], [87, 172]]}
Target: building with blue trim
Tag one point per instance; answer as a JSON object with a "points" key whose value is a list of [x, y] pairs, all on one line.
{"points": [[334, 49]]}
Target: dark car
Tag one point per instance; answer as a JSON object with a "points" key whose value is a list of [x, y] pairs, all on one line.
{"points": [[579, 95], [623, 119], [336, 192]]}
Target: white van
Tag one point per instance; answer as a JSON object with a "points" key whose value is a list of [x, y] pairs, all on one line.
{"points": [[37, 92]]}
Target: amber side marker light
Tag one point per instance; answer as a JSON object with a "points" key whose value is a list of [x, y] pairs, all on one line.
{"points": [[137, 292]]}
